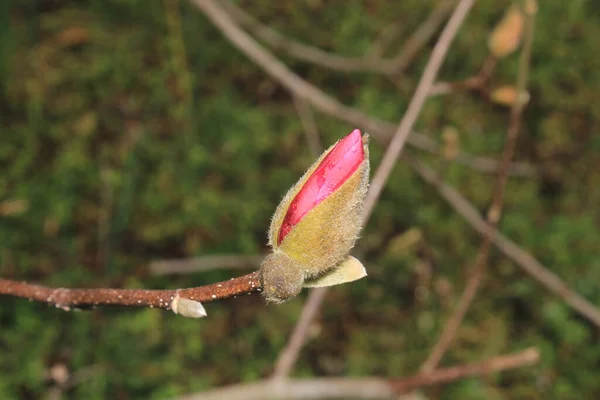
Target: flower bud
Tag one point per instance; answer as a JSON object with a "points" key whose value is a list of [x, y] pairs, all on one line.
{"points": [[317, 223]]}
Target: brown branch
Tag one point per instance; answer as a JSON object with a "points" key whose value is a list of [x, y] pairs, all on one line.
{"points": [[494, 212], [290, 354], [186, 302], [301, 51], [204, 263], [367, 388], [381, 130]]}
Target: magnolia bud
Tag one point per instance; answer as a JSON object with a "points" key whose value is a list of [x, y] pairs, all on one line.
{"points": [[317, 223]]}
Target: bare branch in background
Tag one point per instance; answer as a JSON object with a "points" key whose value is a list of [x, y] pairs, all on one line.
{"points": [[494, 212], [181, 301], [379, 129], [391, 66], [364, 388], [205, 263]]}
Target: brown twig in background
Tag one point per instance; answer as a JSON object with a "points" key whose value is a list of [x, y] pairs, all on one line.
{"points": [[167, 299], [521, 257], [381, 130], [204, 263], [391, 66], [494, 212], [290, 354], [365, 388]]}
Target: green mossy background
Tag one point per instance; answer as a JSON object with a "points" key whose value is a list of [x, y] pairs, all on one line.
{"points": [[132, 131]]}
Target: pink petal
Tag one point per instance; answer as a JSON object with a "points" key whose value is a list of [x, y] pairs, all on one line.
{"points": [[335, 169]]}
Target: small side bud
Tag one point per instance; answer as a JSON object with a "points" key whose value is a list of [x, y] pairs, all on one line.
{"points": [[188, 308], [506, 36], [508, 96]]}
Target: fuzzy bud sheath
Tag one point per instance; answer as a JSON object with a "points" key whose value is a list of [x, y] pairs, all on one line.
{"points": [[317, 223]]}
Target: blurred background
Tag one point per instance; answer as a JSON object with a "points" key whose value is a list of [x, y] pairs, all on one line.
{"points": [[132, 131]]}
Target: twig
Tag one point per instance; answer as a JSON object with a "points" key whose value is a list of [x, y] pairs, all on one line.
{"points": [[203, 264], [290, 354], [310, 126], [391, 66], [167, 299], [365, 388], [521, 257], [494, 212], [381, 130]]}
